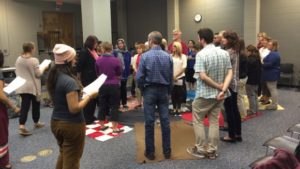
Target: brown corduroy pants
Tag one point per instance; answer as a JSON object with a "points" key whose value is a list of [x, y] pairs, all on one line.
{"points": [[70, 139]]}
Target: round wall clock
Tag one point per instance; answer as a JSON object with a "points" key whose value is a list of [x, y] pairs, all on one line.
{"points": [[198, 18]]}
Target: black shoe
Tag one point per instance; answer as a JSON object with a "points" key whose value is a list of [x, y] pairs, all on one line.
{"points": [[149, 156], [223, 128], [230, 140], [167, 155], [239, 138]]}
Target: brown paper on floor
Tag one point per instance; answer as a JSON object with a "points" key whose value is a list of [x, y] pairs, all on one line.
{"points": [[182, 136]]}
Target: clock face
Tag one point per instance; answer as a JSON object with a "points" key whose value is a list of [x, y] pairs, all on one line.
{"points": [[198, 18]]}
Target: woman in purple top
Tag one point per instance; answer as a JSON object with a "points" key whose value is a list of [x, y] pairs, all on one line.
{"points": [[109, 93]]}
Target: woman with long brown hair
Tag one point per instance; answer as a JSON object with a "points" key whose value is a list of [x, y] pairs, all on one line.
{"points": [[67, 122], [231, 43]]}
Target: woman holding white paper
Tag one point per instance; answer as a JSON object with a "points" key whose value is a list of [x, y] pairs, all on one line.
{"points": [[4, 102], [179, 66], [67, 122], [27, 67]]}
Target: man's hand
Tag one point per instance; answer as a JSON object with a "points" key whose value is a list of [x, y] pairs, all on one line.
{"points": [[221, 96], [220, 86]]}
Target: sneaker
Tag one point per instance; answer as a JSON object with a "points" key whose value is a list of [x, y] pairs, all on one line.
{"points": [[24, 132], [118, 131], [39, 125], [103, 128], [194, 152], [212, 156]]}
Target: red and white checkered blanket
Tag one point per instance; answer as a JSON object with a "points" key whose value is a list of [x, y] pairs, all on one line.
{"points": [[93, 131]]}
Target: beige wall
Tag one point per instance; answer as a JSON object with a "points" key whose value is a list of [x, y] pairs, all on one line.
{"points": [[20, 22], [280, 20], [216, 14]]}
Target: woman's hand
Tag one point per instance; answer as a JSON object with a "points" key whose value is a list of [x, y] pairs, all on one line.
{"points": [[17, 110]]}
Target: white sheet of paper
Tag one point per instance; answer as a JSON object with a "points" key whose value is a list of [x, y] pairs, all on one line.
{"points": [[45, 64], [14, 85], [94, 86]]}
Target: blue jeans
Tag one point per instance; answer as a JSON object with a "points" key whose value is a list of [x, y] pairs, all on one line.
{"points": [[156, 96]]}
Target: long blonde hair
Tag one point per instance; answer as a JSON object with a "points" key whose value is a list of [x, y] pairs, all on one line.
{"points": [[177, 49]]}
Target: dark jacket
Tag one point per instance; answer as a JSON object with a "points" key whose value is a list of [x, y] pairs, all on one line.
{"points": [[86, 66], [254, 70], [271, 67], [243, 66]]}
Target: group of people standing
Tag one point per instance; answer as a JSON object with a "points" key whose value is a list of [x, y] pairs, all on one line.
{"points": [[218, 72]]}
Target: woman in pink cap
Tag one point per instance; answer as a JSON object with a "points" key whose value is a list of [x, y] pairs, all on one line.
{"points": [[67, 122]]}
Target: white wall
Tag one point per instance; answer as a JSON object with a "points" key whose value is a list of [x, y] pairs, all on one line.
{"points": [[20, 22]]}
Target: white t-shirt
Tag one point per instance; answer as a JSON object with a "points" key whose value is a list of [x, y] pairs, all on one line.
{"points": [[179, 63], [263, 53]]}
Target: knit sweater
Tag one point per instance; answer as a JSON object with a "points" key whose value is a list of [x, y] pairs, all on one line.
{"points": [[28, 69]]}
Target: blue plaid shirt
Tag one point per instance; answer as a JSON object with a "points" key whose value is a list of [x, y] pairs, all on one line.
{"points": [[155, 68]]}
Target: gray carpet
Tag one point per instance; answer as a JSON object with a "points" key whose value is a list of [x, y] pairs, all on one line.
{"points": [[119, 153]]}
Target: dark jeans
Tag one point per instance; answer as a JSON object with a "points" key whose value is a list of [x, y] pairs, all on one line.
{"points": [[28, 99], [109, 96], [70, 139], [89, 111], [233, 115], [156, 96], [124, 91]]}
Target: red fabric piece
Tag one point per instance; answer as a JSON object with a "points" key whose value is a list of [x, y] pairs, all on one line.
{"points": [[95, 134], [189, 117], [138, 60], [4, 133], [282, 159]]}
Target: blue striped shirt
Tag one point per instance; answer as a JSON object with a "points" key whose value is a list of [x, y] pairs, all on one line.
{"points": [[155, 68]]}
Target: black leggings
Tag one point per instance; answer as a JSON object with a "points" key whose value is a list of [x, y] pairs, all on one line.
{"points": [[109, 96], [123, 92], [28, 99], [178, 95]]}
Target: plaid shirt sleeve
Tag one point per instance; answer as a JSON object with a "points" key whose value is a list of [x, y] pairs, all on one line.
{"points": [[228, 62], [200, 63]]}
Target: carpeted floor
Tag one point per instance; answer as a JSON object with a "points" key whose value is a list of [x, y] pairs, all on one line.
{"points": [[120, 153]]}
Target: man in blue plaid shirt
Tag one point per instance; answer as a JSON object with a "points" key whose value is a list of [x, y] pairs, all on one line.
{"points": [[154, 78], [214, 72]]}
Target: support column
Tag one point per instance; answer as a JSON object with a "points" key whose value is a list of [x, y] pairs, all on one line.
{"points": [[96, 19], [173, 17], [4, 43], [251, 21]]}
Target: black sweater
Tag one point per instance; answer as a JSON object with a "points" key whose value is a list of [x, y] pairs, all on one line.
{"points": [[243, 66], [86, 66], [254, 71]]}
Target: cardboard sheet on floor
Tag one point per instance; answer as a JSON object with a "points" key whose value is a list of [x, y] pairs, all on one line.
{"points": [[182, 136]]}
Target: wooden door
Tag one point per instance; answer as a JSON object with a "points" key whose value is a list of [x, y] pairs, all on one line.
{"points": [[59, 28]]}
